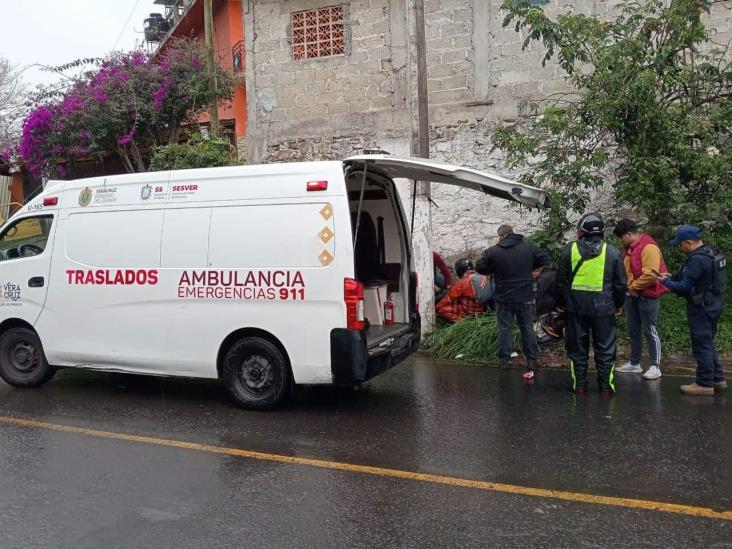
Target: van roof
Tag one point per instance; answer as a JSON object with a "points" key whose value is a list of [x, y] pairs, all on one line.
{"points": [[282, 168], [409, 168], [277, 178]]}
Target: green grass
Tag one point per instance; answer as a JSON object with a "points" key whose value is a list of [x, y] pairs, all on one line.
{"points": [[475, 338]]}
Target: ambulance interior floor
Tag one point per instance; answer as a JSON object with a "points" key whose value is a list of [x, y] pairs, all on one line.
{"points": [[381, 332]]}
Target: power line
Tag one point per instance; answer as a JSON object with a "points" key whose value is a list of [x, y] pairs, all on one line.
{"points": [[124, 28]]}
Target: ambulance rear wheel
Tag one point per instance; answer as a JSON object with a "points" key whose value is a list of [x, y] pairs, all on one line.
{"points": [[256, 373], [22, 361]]}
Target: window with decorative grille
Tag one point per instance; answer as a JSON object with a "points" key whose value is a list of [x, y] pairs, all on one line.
{"points": [[318, 33]]}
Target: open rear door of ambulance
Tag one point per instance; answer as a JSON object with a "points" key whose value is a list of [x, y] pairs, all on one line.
{"points": [[419, 169]]}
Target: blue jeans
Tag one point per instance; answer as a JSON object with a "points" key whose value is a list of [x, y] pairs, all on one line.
{"points": [[524, 313], [703, 329]]}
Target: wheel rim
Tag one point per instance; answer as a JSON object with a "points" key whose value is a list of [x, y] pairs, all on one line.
{"points": [[257, 376], [24, 356]]}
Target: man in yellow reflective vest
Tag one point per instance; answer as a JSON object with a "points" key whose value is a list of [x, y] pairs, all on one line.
{"points": [[591, 284]]}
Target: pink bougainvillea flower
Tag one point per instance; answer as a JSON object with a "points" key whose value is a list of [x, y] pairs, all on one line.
{"points": [[129, 98], [126, 138], [161, 93]]}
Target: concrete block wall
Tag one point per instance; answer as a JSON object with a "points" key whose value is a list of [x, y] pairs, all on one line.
{"points": [[479, 76], [305, 94], [448, 32], [470, 59]]}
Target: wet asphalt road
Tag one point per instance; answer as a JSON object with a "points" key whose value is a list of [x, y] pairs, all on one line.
{"points": [[649, 442]]}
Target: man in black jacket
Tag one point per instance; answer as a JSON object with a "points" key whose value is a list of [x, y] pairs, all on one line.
{"points": [[591, 285], [511, 262]]}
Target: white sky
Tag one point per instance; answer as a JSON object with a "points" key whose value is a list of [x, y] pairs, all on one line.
{"points": [[55, 32]]}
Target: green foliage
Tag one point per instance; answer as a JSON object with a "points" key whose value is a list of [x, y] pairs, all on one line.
{"points": [[673, 327], [546, 239], [650, 115], [476, 338], [196, 153]]}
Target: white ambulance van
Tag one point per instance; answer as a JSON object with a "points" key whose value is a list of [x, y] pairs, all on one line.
{"points": [[251, 274]]}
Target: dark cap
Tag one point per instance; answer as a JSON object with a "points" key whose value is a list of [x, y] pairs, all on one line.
{"points": [[686, 232]]}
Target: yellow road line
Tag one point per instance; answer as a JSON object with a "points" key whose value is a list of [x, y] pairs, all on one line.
{"points": [[382, 472]]}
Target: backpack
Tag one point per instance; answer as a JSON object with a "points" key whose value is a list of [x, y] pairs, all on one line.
{"points": [[719, 275], [718, 284], [483, 287]]}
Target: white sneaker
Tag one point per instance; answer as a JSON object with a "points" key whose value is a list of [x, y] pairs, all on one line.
{"points": [[629, 368], [654, 372]]}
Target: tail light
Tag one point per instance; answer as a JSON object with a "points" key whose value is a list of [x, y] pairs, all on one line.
{"points": [[414, 292], [353, 296], [317, 186]]}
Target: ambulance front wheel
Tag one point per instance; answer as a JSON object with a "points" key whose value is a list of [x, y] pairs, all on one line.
{"points": [[256, 373], [22, 361]]}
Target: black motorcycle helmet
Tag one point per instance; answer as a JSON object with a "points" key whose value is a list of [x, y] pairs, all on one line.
{"points": [[591, 224], [462, 266]]}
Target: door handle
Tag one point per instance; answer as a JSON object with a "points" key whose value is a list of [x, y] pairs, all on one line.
{"points": [[36, 282]]}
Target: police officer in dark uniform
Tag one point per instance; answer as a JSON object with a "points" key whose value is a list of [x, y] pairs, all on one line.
{"points": [[703, 308], [591, 285]]}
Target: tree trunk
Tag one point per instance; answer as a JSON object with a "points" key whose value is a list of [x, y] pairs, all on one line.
{"points": [[174, 132], [138, 157], [125, 159]]}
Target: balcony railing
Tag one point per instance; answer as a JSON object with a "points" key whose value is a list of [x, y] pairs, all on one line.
{"points": [[157, 26], [238, 56]]}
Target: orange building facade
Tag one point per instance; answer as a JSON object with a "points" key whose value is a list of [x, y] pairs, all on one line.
{"points": [[229, 50]]}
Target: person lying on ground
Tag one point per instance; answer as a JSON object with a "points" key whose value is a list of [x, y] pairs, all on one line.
{"points": [[551, 322]]}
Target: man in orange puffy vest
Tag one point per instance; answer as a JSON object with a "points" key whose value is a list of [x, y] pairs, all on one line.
{"points": [[470, 295], [642, 257]]}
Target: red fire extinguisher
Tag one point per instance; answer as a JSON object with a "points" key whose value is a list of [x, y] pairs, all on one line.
{"points": [[388, 311]]}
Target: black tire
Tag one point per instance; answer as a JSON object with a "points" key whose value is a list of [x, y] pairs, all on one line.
{"points": [[256, 374], [22, 360]]}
